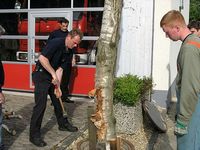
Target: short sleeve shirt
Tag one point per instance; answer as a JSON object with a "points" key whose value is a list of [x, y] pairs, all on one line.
{"points": [[57, 34], [57, 53]]}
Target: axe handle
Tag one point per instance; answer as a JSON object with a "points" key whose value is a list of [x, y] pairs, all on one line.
{"points": [[62, 106]]}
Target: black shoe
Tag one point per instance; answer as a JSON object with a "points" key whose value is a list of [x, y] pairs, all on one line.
{"points": [[68, 127], [38, 142], [2, 147], [67, 100]]}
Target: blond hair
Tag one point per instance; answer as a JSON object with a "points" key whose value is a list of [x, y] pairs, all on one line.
{"points": [[173, 18]]}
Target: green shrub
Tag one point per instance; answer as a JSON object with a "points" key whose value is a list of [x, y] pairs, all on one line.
{"points": [[147, 85], [129, 89]]}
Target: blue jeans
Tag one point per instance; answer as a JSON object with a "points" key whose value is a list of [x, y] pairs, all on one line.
{"points": [[191, 141]]}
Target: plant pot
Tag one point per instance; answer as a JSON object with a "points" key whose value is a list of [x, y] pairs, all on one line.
{"points": [[128, 119]]}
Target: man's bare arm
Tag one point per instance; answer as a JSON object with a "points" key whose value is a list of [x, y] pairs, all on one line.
{"points": [[59, 73], [46, 64], [57, 91]]}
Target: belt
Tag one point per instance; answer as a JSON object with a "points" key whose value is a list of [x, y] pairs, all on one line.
{"points": [[39, 69]]}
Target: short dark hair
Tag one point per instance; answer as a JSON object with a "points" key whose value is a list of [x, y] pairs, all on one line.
{"points": [[75, 32], [63, 20], [194, 24]]}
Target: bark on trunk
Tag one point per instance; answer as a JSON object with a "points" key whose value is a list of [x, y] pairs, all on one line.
{"points": [[105, 68]]}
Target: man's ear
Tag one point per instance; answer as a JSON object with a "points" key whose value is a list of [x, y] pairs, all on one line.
{"points": [[177, 28]]}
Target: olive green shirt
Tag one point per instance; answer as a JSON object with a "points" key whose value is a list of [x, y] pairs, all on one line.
{"points": [[188, 77]]}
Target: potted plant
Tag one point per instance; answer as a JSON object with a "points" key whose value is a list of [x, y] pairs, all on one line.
{"points": [[129, 90]]}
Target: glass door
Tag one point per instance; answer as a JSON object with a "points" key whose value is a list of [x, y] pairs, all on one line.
{"points": [[40, 25]]}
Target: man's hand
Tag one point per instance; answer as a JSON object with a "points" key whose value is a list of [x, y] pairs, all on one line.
{"points": [[55, 80], [2, 98], [57, 91], [180, 128], [73, 60]]}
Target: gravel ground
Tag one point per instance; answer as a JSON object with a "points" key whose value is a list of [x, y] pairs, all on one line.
{"points": [[148, 138]]}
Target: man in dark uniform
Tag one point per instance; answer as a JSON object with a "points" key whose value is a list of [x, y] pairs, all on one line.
{"points": [[2, 100], [60, 33], [47, 75], [2, 97]]}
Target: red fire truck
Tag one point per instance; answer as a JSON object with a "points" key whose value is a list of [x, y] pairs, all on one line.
{"points": [[44, 26]]}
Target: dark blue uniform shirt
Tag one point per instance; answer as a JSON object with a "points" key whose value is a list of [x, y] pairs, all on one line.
{"points": [[57, 53], [57, 34]]}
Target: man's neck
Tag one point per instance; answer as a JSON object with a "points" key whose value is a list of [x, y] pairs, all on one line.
{"points": [[185, 33], [63, 30]]}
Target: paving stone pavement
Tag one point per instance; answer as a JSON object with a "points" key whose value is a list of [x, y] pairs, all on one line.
{"points": [[167, 141], [22, 105]]}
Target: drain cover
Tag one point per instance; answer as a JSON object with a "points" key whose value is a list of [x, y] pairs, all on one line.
{"points": [[155, 115]]}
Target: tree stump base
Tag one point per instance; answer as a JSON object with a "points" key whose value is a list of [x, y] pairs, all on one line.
{"points": [[121, 144]]}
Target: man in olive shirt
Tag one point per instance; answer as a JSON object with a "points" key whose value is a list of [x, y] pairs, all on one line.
{"points": [[187, 127]]}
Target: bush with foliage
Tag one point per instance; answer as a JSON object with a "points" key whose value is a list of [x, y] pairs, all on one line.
{"points": [[129, 89], [147, 85], [194, 10]]}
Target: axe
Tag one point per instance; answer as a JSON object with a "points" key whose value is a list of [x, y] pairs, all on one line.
{"points": [[63, 108], [61, 103]]}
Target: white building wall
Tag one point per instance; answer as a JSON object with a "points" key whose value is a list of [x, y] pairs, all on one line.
{"points": [[160, 48], [144, 50], [135, 48]]}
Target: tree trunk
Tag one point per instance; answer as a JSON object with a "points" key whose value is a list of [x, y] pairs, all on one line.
{"points": [[105, 69]]}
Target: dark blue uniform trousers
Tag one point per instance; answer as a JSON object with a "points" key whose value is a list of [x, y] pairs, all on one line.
{"points": [[43, 87]]}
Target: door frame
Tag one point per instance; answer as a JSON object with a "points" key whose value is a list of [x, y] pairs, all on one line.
{"points": [[32, 36]]}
